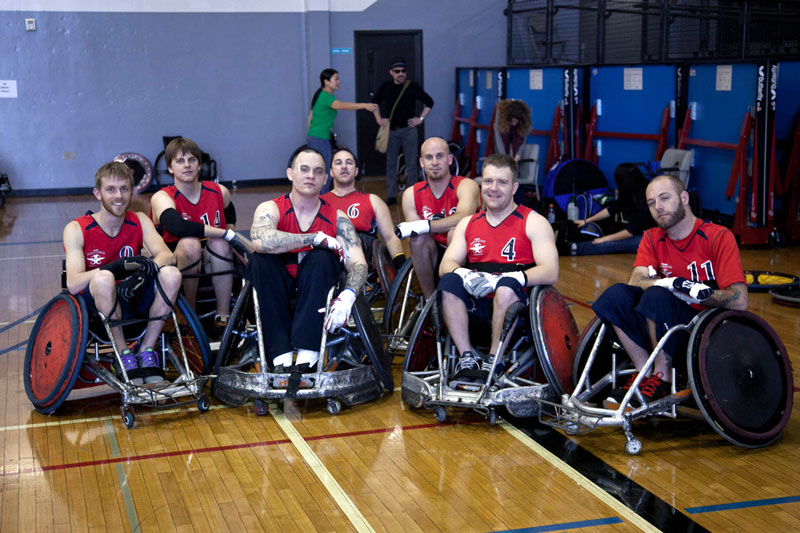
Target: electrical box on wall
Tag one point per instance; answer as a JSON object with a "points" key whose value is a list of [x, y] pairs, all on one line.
{"points": [[30, 24]]}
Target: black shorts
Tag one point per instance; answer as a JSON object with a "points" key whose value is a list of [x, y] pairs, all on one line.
{"points": [[139, 307]]}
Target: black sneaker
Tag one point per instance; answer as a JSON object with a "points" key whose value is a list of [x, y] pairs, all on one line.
{"points": [[616, 396], [654, 387], [468, 372]]}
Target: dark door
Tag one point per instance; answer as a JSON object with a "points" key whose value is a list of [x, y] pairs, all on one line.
{"points": [[374, 51]]}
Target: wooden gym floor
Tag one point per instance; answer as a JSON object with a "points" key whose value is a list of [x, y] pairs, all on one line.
{"points": [[379, 466]]}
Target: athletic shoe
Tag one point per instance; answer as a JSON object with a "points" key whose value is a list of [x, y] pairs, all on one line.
{"points": [[654, 387], [218, 329], [616, 396], [468, 370], [149, 359], [129, 363]]}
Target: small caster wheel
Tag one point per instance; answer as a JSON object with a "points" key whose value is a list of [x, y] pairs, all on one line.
{"points": [[203, 404], [633, 446], [492, 417], [128, 419], [262, 409], [440, 414], [334, 407]]}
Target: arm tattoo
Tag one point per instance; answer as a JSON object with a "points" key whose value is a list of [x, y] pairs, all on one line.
{"points": [[274, 241], [726, 297], [356, 277], [346, 230]]}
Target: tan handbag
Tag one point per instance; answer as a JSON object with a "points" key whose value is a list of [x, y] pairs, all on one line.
{"points": [[382, 139]]}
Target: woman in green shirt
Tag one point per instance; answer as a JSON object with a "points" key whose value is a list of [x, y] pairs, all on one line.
{"points": [[324, 107]]}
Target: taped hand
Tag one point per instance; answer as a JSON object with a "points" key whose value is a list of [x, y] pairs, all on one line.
{"points": [[411, 229], [692, 292], [340, 310], [478, 284]]}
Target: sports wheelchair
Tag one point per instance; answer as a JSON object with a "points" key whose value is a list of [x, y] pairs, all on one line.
{"points": [[68, 349], [352, 368], [404, 303], [737, 376], [538, 359]]}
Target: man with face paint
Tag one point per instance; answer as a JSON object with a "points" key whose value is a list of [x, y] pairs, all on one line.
{"points": [[682, 266], [104, 247]]}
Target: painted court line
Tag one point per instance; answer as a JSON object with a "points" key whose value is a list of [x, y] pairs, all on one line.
{"points": [[580, 480], [29, 257], [741, 505], [339, 496], [566, 526], [127, 497]]}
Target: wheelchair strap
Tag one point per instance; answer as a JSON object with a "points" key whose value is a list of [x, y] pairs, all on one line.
{"points": [[184, 269], [293, 385], [209, 250]]}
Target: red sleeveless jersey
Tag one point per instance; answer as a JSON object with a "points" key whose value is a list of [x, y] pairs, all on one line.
{"points": [[358, 207], [100, 249], [324, 221], [209, 210], [502, 248], [431, 208], [709, 254]]}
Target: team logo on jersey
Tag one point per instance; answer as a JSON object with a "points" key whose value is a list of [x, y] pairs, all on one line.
{"points": [[185, 216], [353, 211], [95, 257], [126, 251], [477, 246], [665, 269], [428, 214]]}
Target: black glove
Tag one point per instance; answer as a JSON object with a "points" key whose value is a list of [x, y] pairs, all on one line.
{"points": [[119, 268], [693, 289], [127, 288], [146, 266], [398, 261], [237, 244]]}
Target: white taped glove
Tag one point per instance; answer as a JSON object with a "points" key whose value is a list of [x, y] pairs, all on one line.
{"points": [[478, 284], [520, 277], [323, 240], [411, 229], [692, 292], [340, 310]]}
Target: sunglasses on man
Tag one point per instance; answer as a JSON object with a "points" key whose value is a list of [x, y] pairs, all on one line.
{"points": [[398, 70]]}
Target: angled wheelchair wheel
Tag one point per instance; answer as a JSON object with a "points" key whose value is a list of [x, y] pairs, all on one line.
{"points": [[237, 338], [555, 335], [403, 306], [786, 296], [382, 264], [55, 351], [371, 343], [195, 342], [600, 374], [740, 376], [421, 353]]}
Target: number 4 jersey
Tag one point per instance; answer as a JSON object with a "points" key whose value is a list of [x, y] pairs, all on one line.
{"points": [[501, 248], [709, 254]]}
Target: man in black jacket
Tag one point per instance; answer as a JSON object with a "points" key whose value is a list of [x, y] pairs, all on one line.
{"points": [[404, 122]]}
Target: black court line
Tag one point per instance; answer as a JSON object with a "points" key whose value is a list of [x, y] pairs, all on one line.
{"points": [[640, 500], [28, 242]]}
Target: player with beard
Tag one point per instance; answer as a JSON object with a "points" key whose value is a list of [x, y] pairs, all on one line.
{"points": [[492, 259], [369, 214], [432, 208], [682, 266], [103, 247]]}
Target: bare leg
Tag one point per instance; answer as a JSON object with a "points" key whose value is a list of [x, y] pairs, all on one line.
{"points": [[503, 299], [223, 285], [423, 253], [104, 291], [637, 354], [189, 252], [662, 363], [455, 318], [170, 279]]}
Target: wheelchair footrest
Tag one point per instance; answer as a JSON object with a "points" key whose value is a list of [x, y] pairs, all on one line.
{"points": [[568, 419]]}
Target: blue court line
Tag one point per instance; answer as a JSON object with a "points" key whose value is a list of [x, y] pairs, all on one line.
{"points": [[567, 525], [741, 505], [27, 242]]}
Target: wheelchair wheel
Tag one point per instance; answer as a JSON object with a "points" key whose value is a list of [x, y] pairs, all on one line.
{"points": [[54, 356], [740, 376], [372, 342], [195, 342], [382, 264], [237, 339], [555, 334], [402, 308], [787, 296], [421, 352], [141, 167], [599, 381], [758, 281]]}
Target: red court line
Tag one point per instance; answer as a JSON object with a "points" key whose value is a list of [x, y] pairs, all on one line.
{"points": [[577, 302], [114, 460]]}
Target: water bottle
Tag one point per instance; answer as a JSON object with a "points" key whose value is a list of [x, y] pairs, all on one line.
{"points": [[572, 209], [551, 214]]}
